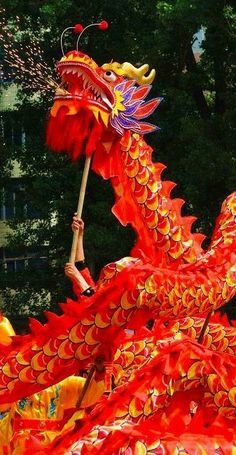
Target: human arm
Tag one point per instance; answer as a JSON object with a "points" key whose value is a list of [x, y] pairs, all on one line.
{"points": [[75, 271]]}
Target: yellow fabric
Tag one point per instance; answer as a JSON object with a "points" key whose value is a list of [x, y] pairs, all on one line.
{"points": [[6, 331], [4, 430], [47, 404], [51, 402]]}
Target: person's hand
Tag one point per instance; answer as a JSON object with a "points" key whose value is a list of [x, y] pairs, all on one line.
{"points": [[77, 225], [70, 271]]}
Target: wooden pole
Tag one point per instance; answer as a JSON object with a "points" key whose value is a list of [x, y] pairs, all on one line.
{"points": [[204, 327], [86, 386], [82, 282], [97, 366], [80, 207]]}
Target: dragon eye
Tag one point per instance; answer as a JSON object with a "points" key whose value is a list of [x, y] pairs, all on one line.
{"points": [[109, 76]]}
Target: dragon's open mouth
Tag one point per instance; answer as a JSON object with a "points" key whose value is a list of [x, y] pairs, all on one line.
{"points": [[79, 82]]}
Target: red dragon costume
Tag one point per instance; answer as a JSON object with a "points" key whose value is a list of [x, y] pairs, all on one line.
{"points": [[173, 395]]}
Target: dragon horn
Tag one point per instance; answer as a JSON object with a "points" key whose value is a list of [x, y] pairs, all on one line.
{"points": [[139, 73]]}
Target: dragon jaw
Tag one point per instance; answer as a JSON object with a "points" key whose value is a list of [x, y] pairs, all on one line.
{"points": [[84, 85]]}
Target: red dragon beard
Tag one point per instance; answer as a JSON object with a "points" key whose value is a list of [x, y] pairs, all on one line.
{"points": [[74, 134]]}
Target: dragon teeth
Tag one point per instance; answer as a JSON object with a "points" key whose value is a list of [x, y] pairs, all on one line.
{"points": [[106, 100], [97, 94]]}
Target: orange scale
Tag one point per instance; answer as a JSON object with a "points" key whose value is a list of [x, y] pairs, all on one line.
{"points": [[103, 320], [186, 298], [134, 153], [149, 213], [39, 361], [51, 346], [139, 449], [119, 317], [221, 399], [66, 350], [44, 378], [153, 185], [164, 225], [196, 370], [122, 411], [27, 375], [173, 298], [83, 352], [152, 201], [77, 333], [218, 333], [139, 346], [143, 158], [92, 335], [199, 298], [14, 369], [127, 301], [163, 242], [132, 169], [232, 340], [176, 308], [152, 223], [207, 340], [192, 333], [156, 448], [231, 277], [187, 323], [143, 175], [213, 383], [121, 360], [232, 396], [177, 234], [136, 407], [222, 345], [148, 407], [141, 193], [9, 372], [176, 250], [226, 292], [128, 359], [150, 285]]}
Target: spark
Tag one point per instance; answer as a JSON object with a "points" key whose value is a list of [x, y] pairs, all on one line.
{"points": [[23, 64]]}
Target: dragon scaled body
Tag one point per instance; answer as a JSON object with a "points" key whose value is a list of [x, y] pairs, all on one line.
{"points": [[100, 110]]}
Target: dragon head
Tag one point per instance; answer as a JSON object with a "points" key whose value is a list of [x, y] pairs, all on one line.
{"points": [[94, 101]]}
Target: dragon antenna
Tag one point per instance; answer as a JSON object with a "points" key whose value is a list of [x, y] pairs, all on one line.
{"points": [[62, 36], [78, 28], [103, 25]]}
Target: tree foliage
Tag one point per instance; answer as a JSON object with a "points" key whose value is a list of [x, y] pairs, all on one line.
{"points": [[197, 120]]}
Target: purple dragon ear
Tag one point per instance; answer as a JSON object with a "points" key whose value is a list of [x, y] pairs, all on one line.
{"points": [[146, 128], [147, 109], [141, 92], [135, 108]]}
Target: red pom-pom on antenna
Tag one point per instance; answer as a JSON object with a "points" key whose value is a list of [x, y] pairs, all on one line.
{"points": [[78, 28], [103, 25]]}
